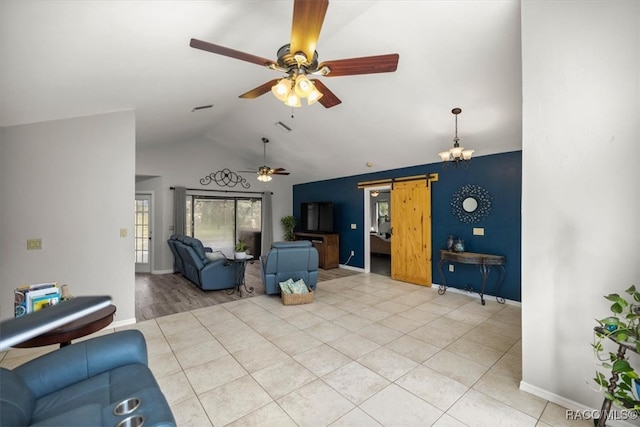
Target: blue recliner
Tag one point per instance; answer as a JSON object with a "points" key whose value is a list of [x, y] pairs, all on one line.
{"points": [[81, 385], [289, 260], [178, 266], [208, 274]]}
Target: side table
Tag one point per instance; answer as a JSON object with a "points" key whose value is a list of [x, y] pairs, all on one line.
{"points": [[78, 328], [484, 263], [242, 266]]}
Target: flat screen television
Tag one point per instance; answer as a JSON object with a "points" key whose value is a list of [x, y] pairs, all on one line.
{"points": [[316, 217]]}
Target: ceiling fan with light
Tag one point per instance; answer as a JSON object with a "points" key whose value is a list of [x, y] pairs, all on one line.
{"points": [[299, 59], [265, 172]]}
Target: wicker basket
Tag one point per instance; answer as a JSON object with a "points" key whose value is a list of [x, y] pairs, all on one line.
{"points": [[294, 299]]}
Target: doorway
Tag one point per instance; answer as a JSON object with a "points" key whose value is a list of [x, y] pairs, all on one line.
{"points": [[377, 238], [142, 233]]}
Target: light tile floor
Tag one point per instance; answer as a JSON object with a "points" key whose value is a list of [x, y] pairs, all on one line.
{"points": [[369, 351]]}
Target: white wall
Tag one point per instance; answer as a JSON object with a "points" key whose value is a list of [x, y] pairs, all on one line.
{"points": [[71, 184], [581, 185], [184, 163]]}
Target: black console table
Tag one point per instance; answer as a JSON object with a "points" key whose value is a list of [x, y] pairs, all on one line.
{"points": [[484, 263]]}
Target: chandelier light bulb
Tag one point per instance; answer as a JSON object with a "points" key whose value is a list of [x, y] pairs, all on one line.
{"points": [[466, 154]]}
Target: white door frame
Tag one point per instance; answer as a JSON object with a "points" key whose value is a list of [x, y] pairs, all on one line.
{"points": [[367, 223], [148, 267]]}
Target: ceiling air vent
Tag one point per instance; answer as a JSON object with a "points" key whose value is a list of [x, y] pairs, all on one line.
{"points": [[282, 127], [202, 107]]}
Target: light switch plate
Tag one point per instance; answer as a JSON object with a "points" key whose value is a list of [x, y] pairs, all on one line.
{"points": [[34, 244], [353, 226], [123, 232], [478, 231]]}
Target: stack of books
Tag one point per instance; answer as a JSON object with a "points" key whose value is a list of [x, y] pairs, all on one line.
{"points": [[31, 298]]}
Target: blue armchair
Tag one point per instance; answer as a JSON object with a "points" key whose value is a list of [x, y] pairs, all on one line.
{"points": [[82, 384], [289, 260]]}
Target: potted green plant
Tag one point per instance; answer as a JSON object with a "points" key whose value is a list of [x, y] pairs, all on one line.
{"points": [[240, 249], [622, 327], [288, 224]]}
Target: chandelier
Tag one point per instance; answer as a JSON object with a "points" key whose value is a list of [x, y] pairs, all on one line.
{"points": [[456, 154]]}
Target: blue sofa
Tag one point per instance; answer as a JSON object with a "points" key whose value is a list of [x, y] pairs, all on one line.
{"points": [[289, 260], [191, 260], [82, 384]]}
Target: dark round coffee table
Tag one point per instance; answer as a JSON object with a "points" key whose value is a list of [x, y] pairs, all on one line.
{"points": [[78, 328]]}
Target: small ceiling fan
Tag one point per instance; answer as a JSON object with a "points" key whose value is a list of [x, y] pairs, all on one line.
{"points": [[299, 58], [264, 172]]}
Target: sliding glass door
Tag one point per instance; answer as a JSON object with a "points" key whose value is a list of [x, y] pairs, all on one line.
{"points": [[219, 222]]}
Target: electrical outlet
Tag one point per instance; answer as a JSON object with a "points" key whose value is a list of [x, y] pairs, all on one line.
{"points": [[353, 253], [451, 268]]}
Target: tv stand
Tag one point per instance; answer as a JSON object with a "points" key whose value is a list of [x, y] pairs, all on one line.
{"points": [[327, 245]]}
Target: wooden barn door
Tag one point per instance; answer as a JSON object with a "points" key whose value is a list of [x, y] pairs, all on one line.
{"points": [[411, 231]]}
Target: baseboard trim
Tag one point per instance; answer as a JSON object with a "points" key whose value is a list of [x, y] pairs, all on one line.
{"points": [[121, 323], [569, 404], [162, 272], [348, 267], [476, 295]]}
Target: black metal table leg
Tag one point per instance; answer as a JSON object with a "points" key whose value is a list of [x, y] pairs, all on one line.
{"points": [[442, 288]]}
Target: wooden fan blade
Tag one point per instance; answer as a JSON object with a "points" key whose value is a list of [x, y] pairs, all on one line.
{"points": [[260, 90], [280, 173], [364, 65], [328, 99], [225, 51], [308, 16]]}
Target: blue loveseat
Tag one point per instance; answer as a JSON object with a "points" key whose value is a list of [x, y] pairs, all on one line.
{"points": [[289, 260], [206, 269], [81, 385]]}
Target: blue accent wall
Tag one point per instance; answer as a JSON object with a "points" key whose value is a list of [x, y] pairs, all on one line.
{"points": [[499, 174]]}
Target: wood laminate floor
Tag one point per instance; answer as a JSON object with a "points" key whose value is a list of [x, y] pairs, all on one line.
{"points": [[159, 295]]}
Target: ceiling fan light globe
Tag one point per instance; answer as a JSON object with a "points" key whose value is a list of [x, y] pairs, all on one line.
{"points": [[281, 89], [303, 86], [313, 96], [292, 100]]}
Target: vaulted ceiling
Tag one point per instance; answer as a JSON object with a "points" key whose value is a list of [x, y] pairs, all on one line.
{"points": [[62, 59]]}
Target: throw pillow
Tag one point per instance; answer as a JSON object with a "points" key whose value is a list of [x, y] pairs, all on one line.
{"points": [[214, 256], [285, 286], [299, 287]]}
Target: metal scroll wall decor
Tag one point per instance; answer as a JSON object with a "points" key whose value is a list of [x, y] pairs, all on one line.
{"points": [[225, 178], [471, 203]]}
